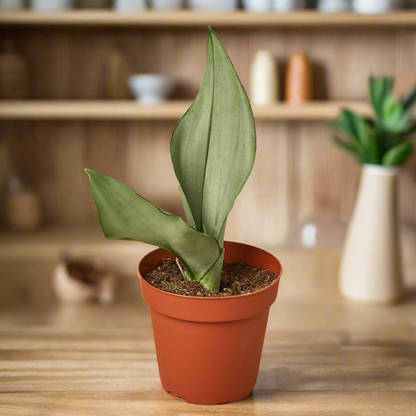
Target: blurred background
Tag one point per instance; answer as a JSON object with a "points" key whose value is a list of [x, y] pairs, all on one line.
{"points": [[101, 84]]}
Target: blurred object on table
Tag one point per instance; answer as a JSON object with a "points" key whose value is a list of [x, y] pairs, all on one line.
{"points": [[81, 281], [334, 6], [298, 80], [284, 6], [23, 207], [410, 4], [320, 232], [123, 6], [213, 5], [94, 4], [116, 73], [12, 5], [150, 89], [264, 79], [13, 73], [51, 5]]}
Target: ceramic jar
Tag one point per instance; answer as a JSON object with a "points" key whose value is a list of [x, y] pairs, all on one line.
{"points": [[13, 73], [150, 89], [12, 5], [288, 5], [167, 4], [334, 6], [130, 5], [260, 6], [298, 82], [116, 75], [50, 5], [263, 79], [371, 270], [213, 5], [376, 6]]}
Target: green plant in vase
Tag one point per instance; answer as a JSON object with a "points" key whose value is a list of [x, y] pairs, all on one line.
{"points": [[212, 149], [371, 263]]}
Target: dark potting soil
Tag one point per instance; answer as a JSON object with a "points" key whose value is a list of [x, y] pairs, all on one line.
{"points": [[236, 279]]}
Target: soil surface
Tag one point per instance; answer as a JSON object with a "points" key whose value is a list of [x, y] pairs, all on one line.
{"points": [[236, 279]]}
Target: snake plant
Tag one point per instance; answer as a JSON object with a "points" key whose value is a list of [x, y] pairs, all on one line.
{"points": [[213, 148], [385, 139]]}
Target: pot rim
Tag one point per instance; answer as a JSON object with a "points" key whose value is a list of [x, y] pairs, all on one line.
{"points": [[215, 298]]}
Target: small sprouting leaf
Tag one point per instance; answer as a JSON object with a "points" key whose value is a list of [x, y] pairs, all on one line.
{"points": [[398, 155], [214, 144], [125, 215]]}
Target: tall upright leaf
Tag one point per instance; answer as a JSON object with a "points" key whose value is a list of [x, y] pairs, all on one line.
{"points": [[214, 144]]}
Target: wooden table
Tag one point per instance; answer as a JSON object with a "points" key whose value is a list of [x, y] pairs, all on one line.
{"points": [[322, 355]]}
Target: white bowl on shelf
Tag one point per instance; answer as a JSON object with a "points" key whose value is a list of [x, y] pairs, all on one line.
{"points": [[167, 4], [123, 6], [258, 6], [213, 5], [150, 89], [334, 6], [50, 5]]}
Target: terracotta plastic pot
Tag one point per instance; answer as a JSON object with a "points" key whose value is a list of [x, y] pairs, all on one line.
{"points": [[209, 349]]}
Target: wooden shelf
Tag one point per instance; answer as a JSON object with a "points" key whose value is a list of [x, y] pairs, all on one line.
{"points": [[184, 18], [130, 110]]}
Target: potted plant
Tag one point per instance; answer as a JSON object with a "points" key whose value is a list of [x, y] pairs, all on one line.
{"points": [[208, 342], [371, 264]]}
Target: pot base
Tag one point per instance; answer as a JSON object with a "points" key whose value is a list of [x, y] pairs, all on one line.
{"points": [[211, 402]]}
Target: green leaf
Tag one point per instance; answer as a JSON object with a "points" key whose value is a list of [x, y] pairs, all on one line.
{"points": [[214, 144], [354, 125], [125, 215], [398, 155], [380, 89], [409, 99], [348, 147], [188, 211]]}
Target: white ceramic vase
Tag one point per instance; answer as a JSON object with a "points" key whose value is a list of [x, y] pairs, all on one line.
{"points": [[11, 4], [259, 6], [371, 270], [376, 6], [50, 5], [123, 6], [263, 79], [334, 6], [284, 6]]}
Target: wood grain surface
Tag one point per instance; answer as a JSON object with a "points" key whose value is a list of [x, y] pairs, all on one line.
{"points": [[322, 355]]}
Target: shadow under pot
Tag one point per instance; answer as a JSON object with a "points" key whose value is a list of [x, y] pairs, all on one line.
{"points": [[209, 348]]}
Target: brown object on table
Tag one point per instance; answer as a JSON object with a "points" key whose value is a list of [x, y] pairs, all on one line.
{"points": [[13, 73], [23, 211], [94, 4], [116, 76], [298, 83]]}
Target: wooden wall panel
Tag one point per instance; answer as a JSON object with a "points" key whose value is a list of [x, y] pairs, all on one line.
{"points": [[298, 173]]}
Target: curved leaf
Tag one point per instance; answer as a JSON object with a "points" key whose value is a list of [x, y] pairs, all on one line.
{"points": [[214, 144], [125, 215], [398, 155]]}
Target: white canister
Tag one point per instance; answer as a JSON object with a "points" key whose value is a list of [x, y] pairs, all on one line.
{"points": [[288, 5], [50, 5], [213, 5], [123, 6], [376, 6], [12, 4], [167, 4], [259, 6], [334, 6], [263, 79]]}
